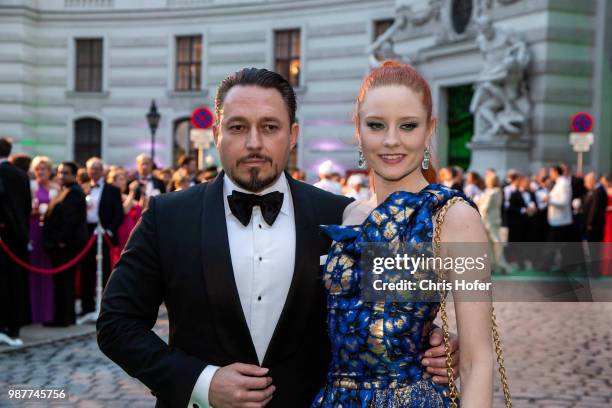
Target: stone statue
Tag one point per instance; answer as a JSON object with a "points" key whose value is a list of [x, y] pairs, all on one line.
{"points": [[500, 103], [382, 48]]}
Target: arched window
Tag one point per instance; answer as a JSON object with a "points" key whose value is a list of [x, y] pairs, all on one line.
{"points": [[182, 143], [87, 139]]}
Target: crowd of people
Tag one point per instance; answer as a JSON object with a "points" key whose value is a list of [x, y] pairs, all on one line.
{"points": [[49, 214]]}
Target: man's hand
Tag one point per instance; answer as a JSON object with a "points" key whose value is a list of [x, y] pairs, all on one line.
{"points": [[435, 357], [240, 385]]}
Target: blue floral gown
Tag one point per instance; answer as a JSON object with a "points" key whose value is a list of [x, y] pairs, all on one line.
{"points": [[377, 347]]}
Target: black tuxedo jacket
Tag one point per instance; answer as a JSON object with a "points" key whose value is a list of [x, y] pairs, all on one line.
{"points": [[157, 183], [66, 220], [516, 221], [110, 209], [179, 254], [594, 212], [15, 204]]}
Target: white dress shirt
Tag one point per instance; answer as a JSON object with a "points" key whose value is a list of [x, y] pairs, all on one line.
{"points": [[560, 203], [263, 260], [508, 190], [150, 190], [93, 202]]}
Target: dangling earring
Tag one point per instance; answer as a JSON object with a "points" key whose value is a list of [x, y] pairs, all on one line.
{"points": [[362, 160], [426, 159]]}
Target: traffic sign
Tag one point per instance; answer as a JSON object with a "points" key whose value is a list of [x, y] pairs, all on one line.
{"points": [[582, 122], [581, 142], [201, 138], [202, 118]]}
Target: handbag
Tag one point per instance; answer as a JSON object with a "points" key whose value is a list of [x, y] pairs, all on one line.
{"points": [[453, 393]]}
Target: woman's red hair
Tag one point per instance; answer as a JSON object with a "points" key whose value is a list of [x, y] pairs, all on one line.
{"points": [[391, 73]]}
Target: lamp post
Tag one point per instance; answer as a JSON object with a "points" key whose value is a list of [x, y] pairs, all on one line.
{"points": [[153, 120]]}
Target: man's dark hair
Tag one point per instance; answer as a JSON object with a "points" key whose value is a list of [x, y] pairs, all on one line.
{"points": [[22, 161], [5, 147], [558, 169], [514, 176], [185, 160], [257, 77], [72, 165]]}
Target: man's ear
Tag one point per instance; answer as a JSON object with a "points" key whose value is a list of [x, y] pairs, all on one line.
{"points": [[295, 131], [215, 130]]}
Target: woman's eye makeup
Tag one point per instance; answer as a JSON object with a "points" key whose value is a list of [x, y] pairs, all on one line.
{"points": [[409, 126], [375, 125]]}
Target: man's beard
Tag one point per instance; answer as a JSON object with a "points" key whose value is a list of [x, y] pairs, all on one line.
{"points": [[254, 183]]}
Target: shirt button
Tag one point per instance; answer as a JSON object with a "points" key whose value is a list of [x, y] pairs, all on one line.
{"points": [[260, 258], [259, 225], [258, 298]]}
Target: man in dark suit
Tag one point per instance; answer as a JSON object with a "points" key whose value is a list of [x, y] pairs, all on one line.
{"points": [[149, 184], [236, 262], [15, 208], [65, 235], [104, 207], [594, 209]]}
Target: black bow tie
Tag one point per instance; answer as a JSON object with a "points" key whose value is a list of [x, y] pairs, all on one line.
{"points": [[242, 205]]}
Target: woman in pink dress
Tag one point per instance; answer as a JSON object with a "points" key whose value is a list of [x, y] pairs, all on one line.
{"points": [[41, 286], [132, 208], [606, 269]]}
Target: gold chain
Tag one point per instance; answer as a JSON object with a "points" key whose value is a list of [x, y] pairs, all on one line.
{"points": [[500, 360], [453, 394]]}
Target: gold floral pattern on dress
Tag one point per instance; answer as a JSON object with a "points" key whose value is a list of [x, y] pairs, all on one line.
{"points": [[377, 346]]}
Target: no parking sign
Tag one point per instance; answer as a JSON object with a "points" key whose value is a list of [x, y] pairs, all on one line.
{"points": [[582, 122], [202, 118], [581, 138], [201, 135]]}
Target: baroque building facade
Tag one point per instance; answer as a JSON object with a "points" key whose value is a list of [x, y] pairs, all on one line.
{"points": [[77, 77]]}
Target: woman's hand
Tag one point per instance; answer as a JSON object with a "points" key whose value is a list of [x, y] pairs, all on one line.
{"points": [[134, 186], [435, 357]]}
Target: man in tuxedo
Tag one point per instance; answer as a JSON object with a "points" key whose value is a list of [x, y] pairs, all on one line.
{"points": [[594, 209], [236, 261], [104, 206], [150, 185], [65, 235], [15, 208]]}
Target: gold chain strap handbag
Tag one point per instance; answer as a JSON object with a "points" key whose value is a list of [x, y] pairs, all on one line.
{"points": [[453, 393]]}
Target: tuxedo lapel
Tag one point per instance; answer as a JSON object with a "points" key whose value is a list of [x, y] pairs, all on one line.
{"points": [[230, 323], [299, 302]]}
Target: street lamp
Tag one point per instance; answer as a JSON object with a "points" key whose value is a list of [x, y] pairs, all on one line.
{"points": [[153, 120]]}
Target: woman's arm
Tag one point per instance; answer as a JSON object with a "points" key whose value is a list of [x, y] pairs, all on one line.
{"points": [[465, 235], [130, 200]]}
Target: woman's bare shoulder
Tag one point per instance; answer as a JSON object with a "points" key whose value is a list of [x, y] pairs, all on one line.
{"points": [[462, 223], [356, 212]]}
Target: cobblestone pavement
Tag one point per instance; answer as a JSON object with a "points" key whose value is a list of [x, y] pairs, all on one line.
{"points": [[557, 355]]}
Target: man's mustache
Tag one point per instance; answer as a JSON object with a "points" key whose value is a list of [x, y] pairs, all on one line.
{"points": [[254, 156]]}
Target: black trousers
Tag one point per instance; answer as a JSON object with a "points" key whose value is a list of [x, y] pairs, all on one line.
{"points": [[15, 308], [63, 283], [88, 273]]}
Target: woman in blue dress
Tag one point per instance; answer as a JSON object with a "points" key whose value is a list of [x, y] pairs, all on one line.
{"points": [[377, 347]]}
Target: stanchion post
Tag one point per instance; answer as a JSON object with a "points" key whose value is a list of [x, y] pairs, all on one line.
{"points": [[99, 268], [93, 316]]}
